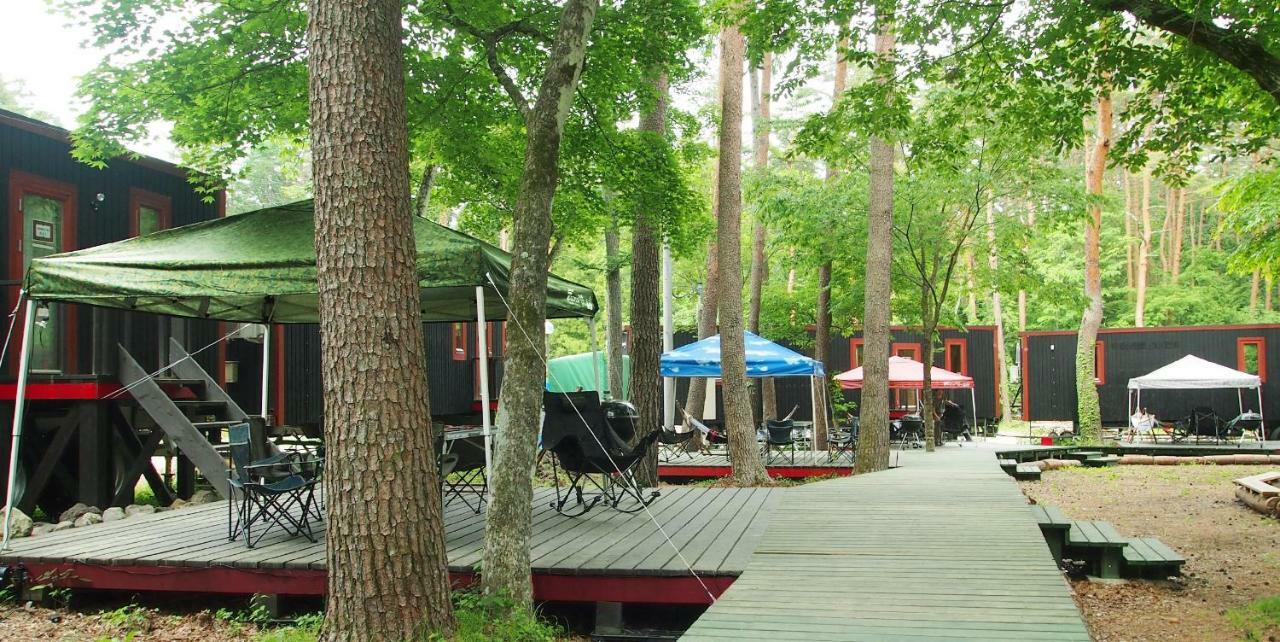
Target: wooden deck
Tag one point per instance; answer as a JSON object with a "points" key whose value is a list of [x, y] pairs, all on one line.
{"points": [[603, 556], [714, 466], [942, 548]]}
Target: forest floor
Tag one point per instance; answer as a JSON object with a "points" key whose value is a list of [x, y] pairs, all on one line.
{"points": [[1230, 588]]}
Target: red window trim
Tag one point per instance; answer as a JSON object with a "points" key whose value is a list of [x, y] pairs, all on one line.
{"points": [[504, 338], [853, 352], [459, 343], [1261, 342], [1100, 363], [488, 338], [139, 198], [914, 347], [20, 184], [964, 355]]}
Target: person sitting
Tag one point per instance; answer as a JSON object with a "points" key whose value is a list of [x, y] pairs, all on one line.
{"points": [[1140, 422]]}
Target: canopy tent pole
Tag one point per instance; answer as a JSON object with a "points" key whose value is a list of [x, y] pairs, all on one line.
{"points": [[19, 408], [482, 344], [266, 368], [595, 358], [973, 401], [668, 340], [1262, 423], [813, 399], [1240, 399]]}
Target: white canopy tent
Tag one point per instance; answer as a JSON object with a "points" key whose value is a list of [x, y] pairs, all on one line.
{"points": [[1193, 373]]}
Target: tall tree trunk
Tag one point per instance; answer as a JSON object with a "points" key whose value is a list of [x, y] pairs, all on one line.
{"points": [[759, 235], [873, 442], [1022, 294], [1253, 291], [744, 457], [1088, 412], [646, 295], [1144, 253], [388, 576], [1267, 299], [508, 522], [613, 308], [928, 323], [970, 287], [997, 312], [822, 327], [1129, 275], [422, 200], [1179, 224], [1166, 233], [707, 321]]}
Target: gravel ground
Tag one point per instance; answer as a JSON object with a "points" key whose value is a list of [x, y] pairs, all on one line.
{"points": [[1233, 553]]}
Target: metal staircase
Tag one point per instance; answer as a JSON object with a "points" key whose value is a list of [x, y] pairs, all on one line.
{"points": [[188, 405]]}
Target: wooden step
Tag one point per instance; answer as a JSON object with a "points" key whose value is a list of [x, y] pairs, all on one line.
{"points": [[174, 381], [1008, 465], [1026, 472], [210, 425], [1081, 455], [1149, 557], [1102, 461]]}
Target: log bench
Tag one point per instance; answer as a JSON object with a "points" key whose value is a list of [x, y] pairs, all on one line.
{"points": [[1100, 545], [1260, 492], [1054, 526], [1149, 557]]}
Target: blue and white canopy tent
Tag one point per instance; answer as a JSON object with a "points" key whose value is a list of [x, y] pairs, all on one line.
{"points": [[764, 359]]}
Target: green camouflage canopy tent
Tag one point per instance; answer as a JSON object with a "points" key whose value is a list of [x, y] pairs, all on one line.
{"points": [[582, 372], [260, 267]]}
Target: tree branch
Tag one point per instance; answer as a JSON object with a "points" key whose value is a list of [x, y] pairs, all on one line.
{"points": [[1231, 46], [490, 40]]}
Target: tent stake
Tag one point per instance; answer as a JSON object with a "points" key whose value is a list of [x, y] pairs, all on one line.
{"points": [[19, 408]]}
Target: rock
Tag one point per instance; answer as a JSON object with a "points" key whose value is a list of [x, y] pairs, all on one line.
{"points": [[88, 519], [61, 526], [178, 503], [115, 513], [20, 525], [202, 497], [73, 513], [139, 509]]}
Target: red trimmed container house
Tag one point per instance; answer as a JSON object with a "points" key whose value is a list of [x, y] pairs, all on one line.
{"points": [[1047, 361]]}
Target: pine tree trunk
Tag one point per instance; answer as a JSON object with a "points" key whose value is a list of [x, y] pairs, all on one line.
{"points": [[422, 200], [759, 236], [707, 324], [1267, 299], [997, 312], [1166, 233], [388, 575], [1253, 290], [873, 441], [971, 287], [1144, 254], [928, 327], [646, 295], [1129, 275], [613, 309], [1179, 224], [744, 456], [508, 522], [1088, 412]]}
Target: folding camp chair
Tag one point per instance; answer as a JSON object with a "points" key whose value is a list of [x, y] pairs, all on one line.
{"points": [[467, 481], [779, 435], [260, 492], [843, 441], [954, 424], [589, 442], [1203, 422]]}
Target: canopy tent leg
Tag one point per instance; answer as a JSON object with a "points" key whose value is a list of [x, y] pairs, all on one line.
{"points": [[973, 401], [266, 369], [1262, 420], [813, 416], [595, 357], [19, 408], [482, 345], [668, 340]]}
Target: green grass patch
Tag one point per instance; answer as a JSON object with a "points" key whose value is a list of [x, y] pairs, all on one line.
{"points": [[1258, 620]]}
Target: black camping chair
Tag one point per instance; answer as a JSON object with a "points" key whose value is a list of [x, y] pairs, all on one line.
{"points": [[1202, 422], [909, 432], [466, 481], [779, 435], [843, 441], [1248, 422], [672, 444], [589, 441], [954, 424], [260, 492]]}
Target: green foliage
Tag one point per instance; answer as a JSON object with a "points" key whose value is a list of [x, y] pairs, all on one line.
{"points": [[482, 618], [1250, 203], [1258, 619], [305, 628], [129, 617]]}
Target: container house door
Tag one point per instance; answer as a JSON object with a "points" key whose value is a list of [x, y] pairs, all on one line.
{"points": [[43, 223]]}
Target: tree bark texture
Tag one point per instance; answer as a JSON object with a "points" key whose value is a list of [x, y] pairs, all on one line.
{"points": [[822, 325], [422, 200], [613, 309], [507, 523], [646, 296], [929, 326], [744, 456], [1179, 227], [873, 442], [997, 312], [1128, 232], [1144, 253], [388, 575], [1088, 412], [1253, 290], [759, 234]]}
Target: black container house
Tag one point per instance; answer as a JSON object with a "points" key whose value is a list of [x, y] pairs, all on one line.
{"points": [[1048, 369]]}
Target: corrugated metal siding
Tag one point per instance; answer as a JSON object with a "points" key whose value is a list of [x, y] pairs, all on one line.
{"points": [[97, 223], [1049, 370]]}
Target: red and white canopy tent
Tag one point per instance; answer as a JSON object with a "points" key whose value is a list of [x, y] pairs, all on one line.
{"points": [[908, 374]]}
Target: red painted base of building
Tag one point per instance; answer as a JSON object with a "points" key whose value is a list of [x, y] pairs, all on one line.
{"points": [[641, 589], [666, 471]]}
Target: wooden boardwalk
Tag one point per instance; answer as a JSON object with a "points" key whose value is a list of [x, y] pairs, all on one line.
{"points": [[716, 465], [604, 555], [942, 548]]}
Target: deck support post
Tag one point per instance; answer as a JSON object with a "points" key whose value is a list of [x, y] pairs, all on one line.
{"points": [[19, 408], [482, 345], [609, 619]]}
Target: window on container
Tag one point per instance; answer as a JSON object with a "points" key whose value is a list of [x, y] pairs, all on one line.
{"points": [[906, 398], [1251, 356], [956, 355], [459, 342], [855, 353], [1100, 363]]}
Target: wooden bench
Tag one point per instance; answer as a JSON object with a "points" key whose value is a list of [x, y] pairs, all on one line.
{"points": [[1102, 461], [1082, 455], [1260, 492], [1149, 557], [1054, 526], [1099, 544], [1026, 472], [1008, 465]]}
